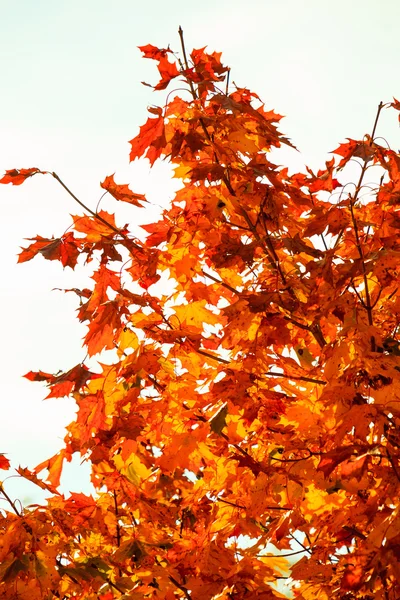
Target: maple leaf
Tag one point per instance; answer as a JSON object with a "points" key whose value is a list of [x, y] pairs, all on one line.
{"points": [[18, 176], [150, 51], [65, 383], [122, 192], [364, 149], [95, 230], [65, 249], [168, 71], [4, 462], [396, 105], [54, 467], [150, 140], [33, 478]]}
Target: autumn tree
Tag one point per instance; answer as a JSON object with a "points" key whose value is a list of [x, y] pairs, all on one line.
{"points": [[254, 404]]}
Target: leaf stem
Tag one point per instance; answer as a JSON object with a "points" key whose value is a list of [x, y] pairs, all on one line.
{"points": [[94, 214], [11, 503]]}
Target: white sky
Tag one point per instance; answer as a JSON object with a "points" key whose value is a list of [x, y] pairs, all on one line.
{"points": [[71, 99]]}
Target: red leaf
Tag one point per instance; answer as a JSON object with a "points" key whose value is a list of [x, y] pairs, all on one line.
{"points": [[101, 329], [64, 249], [150, 138], [395, 105], [363, 149], [4, 462], [168, 71], [330, 460], [18, 176], [153, 52], [122, 192], [38, 376], [159, 232], [65, 383]]}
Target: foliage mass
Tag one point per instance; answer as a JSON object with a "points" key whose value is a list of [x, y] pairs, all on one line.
{"points": [[255, 404]]}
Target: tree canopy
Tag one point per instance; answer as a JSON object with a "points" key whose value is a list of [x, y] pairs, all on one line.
{"points": [[245, 430]]}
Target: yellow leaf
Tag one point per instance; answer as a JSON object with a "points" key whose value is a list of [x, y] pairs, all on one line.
{"points": [[196, 315], [127, 339], [133, 469], [136, 471]]}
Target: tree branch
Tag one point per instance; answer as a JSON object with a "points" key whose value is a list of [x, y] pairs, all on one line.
{"points": [[295, 378], [94, 214], [180, 587], [11, 503]]}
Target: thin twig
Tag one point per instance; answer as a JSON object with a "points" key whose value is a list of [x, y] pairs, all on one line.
{"points": [[367, 304], [11, 503], [295, 378], [213, 356], [180, 587], [225, 285], [393, 464], [363, 170], [286, 508], [116, 516], [300, 544], [192, 88], [115, 586], [280, 555], [94, 214]]}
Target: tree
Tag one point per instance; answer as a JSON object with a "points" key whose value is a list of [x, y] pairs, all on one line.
{"points": [[257, 402]]}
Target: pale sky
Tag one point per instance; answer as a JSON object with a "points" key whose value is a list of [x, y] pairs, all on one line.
{"points": [[71, 99]]}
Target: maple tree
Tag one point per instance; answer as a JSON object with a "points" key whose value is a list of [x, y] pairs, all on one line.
{"points": [[255, 404]]}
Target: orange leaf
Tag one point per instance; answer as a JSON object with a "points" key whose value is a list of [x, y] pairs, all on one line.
{"points": [[168, 71], [94, 228], [64, 249], [18, 176], [54, 466], [4, 462], [150, 138], [122, 192], [33, 478]]}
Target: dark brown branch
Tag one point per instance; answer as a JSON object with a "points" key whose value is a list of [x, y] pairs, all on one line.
{"points": [[116, 516], [367, 304], [7, 497], [94, 214], [180, 587], [396, 472], [363, 170], [300, 544], [115, 586], [192, 88], [225, 285], [213, 356], [231, 503], [281, 556], [296, 378]]}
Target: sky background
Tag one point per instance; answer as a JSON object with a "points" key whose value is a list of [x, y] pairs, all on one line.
{"points": [[72, 98]]}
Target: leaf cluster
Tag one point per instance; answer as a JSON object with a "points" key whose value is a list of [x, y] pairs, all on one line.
{"points": [[255, 404]]}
